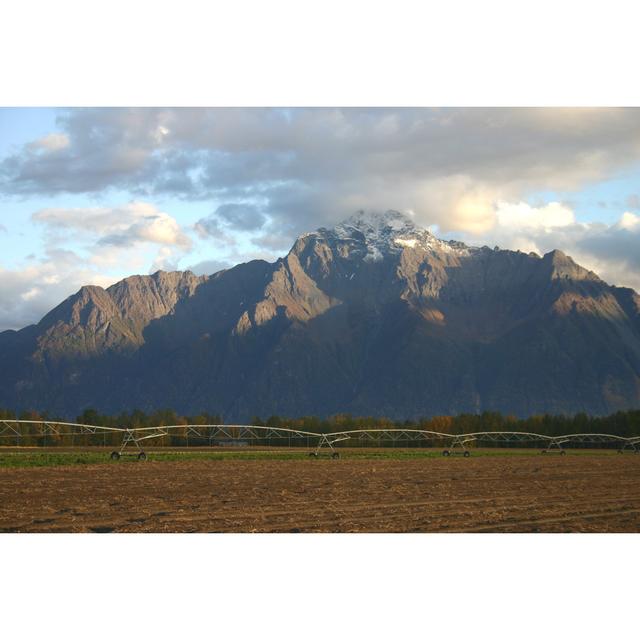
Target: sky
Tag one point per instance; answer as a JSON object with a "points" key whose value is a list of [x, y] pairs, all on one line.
{"points": [[89, 196]]}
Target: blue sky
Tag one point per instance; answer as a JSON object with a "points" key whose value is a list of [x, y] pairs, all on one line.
{"points": [[20, 125], [600, 201], [88, 196]]}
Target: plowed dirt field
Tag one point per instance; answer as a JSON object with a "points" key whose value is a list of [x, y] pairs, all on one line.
{"points": [[572, 493]]}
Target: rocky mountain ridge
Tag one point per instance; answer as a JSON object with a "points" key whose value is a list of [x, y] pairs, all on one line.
{"points": [[375, 316]]}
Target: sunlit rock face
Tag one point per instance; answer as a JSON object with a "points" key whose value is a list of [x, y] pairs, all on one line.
{"points": [[375, 316]]}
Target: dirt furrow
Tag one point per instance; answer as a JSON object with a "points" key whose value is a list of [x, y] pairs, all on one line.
{"points": [[501, 493]]}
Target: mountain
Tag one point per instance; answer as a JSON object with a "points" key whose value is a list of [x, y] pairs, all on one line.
{"points": [[375, 316]]}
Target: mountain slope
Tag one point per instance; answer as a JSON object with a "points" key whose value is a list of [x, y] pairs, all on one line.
{"points": [[373, 316]]}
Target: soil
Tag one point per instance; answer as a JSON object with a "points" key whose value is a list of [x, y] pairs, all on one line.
{"points": [[572, 493]]}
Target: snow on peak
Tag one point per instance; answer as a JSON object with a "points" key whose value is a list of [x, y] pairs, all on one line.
{"points": [[373, 223], [385, 233]]}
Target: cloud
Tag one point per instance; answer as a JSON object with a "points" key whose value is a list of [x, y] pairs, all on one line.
{"points": [[272, 174], [241, 216], [165, 260], [207, 267], [273, 242], [629, 221], [633, 201], [123, 226], [157, 229], [212, 228], [50, 143], [109, 242], [209, 226], [610, 250], [29, 292], [228, 219], [523, 216], [613, 249], [303, 168]]}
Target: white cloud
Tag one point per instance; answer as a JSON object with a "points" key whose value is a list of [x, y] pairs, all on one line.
{"points": [[309, 167], [27, 293], [165, 260], [610, 250], [523, 216], [51, 142], [109, 243], [158, 229], [629, 221], [275, 173], [125, 225], [30, 294]]}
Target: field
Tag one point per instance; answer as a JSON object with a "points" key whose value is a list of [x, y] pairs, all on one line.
{"points": [[379, 490]]}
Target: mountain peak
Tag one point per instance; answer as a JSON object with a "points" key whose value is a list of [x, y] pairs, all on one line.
{"points": [[373, 316], [391, 232], [563, 266], [378, 222]]}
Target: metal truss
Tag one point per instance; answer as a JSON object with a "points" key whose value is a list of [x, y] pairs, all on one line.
{"points": [[458, 445], [329, 440], [392, 435], [132, 438], [508, 436], [633, 444], [49, 427]]}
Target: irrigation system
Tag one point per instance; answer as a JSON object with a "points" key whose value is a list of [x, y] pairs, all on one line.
{"points": [[130, 441]]}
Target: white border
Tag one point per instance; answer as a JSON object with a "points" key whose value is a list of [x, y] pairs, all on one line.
{"points": [[331, 53], [310, 586], [338, 52]]}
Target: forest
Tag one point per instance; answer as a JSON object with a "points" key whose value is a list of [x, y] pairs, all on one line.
{"points": [[621, 423]]}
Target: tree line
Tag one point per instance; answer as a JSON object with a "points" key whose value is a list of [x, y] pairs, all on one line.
{"points": [[621, 423]]}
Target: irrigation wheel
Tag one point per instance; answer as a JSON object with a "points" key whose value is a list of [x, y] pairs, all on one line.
{"points": [[142, 456], [445, 453], [335, 455], [115, 455], [466, 454]]}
